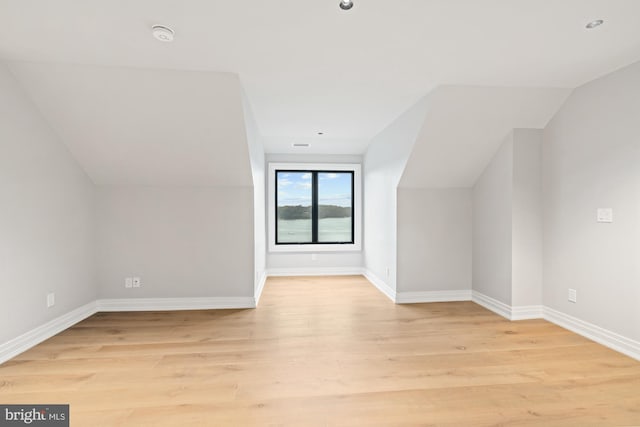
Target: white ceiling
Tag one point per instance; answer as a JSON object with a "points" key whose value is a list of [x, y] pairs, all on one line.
{"points": [[465, 125], [308, 66], [144, 127]]}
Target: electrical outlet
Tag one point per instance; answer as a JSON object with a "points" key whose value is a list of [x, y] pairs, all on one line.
{"points": [[136, 282], [128, 282], [573, 295], [51, 300]]}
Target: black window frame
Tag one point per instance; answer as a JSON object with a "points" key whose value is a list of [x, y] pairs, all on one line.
{"points": [[314, 206]]}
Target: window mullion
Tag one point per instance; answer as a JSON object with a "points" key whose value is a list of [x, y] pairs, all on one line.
{"points": [[353, 209], [314, 207]]}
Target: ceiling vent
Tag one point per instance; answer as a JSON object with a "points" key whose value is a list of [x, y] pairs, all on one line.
{"points": [[594, 24]]}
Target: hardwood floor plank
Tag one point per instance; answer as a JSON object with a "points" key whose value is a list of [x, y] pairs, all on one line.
{"points": [[326, 351]]}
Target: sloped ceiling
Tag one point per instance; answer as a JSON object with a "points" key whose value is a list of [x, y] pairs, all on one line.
{"points": [[145, 127], [464, 127], [309, 67]]}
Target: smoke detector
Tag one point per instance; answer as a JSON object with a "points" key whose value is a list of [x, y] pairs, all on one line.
{"points": [[162, 33], [346, 4]]}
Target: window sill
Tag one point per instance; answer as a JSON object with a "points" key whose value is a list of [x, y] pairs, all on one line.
{"points": [[315, 248]]}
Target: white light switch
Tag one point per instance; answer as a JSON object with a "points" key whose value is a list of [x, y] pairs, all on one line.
{"points": [[605, 215], [573, 295], [51, 299]]}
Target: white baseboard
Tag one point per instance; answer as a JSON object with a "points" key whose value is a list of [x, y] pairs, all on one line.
{"points": [[35, 336], [588, 330], [260, 288], [433, 296], [319, 271], [380, 284], [492, 304], [600, 335], [523, 312], [172, 304], [527, 312]]}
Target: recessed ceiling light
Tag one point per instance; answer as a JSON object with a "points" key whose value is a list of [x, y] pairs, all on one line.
{"points": [[346, 4], [301, 145], [593, 24], [162, 33]]}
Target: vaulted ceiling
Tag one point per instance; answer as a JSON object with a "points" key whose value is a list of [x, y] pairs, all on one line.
{"points": [[145, 127], [464, 126], [306, 67]]}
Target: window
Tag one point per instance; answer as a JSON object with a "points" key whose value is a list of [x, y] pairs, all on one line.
{"points": [[314, 207]]}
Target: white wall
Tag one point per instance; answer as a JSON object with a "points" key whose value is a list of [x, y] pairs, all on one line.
{"points": [[46, 219], [182, 242], [591, 159], [527, 218], [492, 226], [256, 153], [200, 237], [328, 262], [507, 222], [434, 239], [384, 164]]}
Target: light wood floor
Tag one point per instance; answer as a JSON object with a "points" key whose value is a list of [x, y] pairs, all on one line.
{"points": [[326, 351]]}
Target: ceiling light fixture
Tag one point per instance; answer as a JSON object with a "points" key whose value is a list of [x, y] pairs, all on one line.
{"points": [[593, 24], [320, 133], [346, 4], [162, 33], [301, 145]]}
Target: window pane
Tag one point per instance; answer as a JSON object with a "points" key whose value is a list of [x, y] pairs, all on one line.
{"points": [[294, 207], [335, 210]]}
